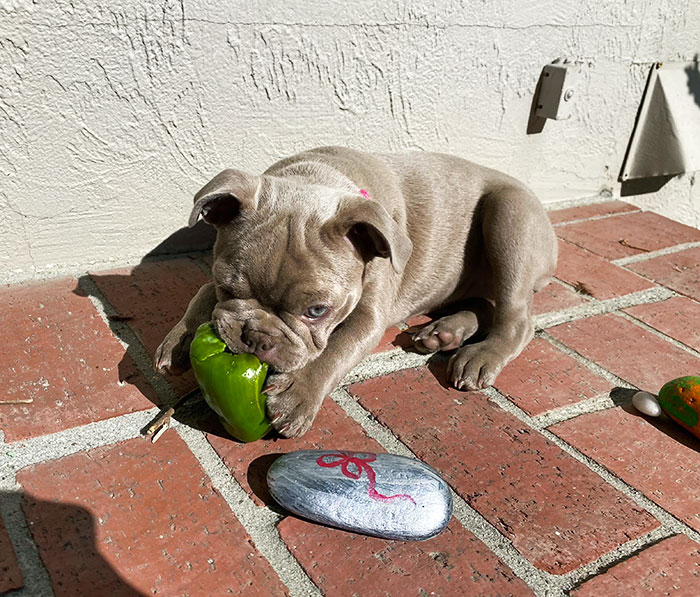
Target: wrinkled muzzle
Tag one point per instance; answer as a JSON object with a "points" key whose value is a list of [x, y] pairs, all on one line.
{"points": [[264, 335]]}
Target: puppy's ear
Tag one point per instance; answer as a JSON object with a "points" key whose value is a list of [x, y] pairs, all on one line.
{"points": [[224, 196], [372, 231]]}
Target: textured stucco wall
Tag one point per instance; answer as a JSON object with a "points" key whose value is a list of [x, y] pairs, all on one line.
{"points": [[112, 114]]}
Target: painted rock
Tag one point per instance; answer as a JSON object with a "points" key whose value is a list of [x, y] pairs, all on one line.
{"points": [[231, 384], [680, 399], [384, 495]]}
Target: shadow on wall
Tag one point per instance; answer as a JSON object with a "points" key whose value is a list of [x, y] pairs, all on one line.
{"points": [[693, 73], [67, 542], [200, 237], [643, 186], [535, 124]]}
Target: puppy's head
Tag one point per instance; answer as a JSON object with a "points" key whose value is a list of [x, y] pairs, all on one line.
{"points": [[290, 261]]}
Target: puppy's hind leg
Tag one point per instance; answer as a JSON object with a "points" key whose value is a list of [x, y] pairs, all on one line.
{"points": [[521, 249]]}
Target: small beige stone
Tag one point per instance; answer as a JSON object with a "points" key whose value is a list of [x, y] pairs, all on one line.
{"points": [[646, 403]]}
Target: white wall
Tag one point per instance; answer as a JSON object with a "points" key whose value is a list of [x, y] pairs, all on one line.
{"points": [[111, 117]]}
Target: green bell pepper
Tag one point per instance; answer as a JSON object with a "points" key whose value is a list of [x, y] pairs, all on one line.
{"points": [[231, 384]]}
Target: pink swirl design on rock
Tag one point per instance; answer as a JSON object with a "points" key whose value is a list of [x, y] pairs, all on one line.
{"points": [[360, 462]]}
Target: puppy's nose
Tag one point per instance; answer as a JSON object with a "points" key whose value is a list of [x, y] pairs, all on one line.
{"points": [[261, 345]]}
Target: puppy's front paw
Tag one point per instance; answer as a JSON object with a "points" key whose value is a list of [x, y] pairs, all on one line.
{"points": [[447, 333], [173, 354], [291, 405], [475, 366]]}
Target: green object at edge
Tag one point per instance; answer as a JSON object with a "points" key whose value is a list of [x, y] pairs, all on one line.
{"points": [[673, 404], [231, 384]]}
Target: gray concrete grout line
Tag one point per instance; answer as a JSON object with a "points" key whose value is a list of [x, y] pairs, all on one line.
{"points": [[170, 257], [658, 253], [667, 519], [23, 453], [259, 522], [564, 413], [128, 339], [594, 218], [590, 365], [36, 577], [578, 202], [463, 512], [383, 363], [669, 339], [601, 307], [621, 553]]}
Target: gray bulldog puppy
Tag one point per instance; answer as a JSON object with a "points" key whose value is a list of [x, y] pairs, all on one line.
{"points": [[319, 255]]}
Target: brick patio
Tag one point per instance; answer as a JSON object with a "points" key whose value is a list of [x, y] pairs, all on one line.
{"points": [[559, 486]]}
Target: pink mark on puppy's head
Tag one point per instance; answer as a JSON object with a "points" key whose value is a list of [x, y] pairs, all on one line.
{"points": [[364, 193]]}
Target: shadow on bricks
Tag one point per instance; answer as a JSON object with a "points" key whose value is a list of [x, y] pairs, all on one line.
{"points": [[257, 480], [143, 302], [66, 537], [622, 397]]}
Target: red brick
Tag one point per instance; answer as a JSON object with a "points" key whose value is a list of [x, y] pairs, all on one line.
{"points": [[645, 230], [542, 378], [677, 317], [453, 563], [671, 567], [143, 517], [153, 297], [679, 271], [601, 279], [656, 456], [608, 208], [248, 463], [10, 574], [400, 336], [629, 351], [553, 509], [554, 297], [59, 352]]}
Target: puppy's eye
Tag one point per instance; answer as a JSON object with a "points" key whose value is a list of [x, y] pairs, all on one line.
{"points": [[316, 311]]}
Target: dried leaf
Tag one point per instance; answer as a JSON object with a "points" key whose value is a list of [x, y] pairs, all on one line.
{"points": [[581, 288]]}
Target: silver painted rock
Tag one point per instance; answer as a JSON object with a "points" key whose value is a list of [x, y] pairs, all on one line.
{"points": [[384, 495]]}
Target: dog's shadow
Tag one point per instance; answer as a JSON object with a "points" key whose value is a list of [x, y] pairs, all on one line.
{"points": [[67, 536], [142, 303]]}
